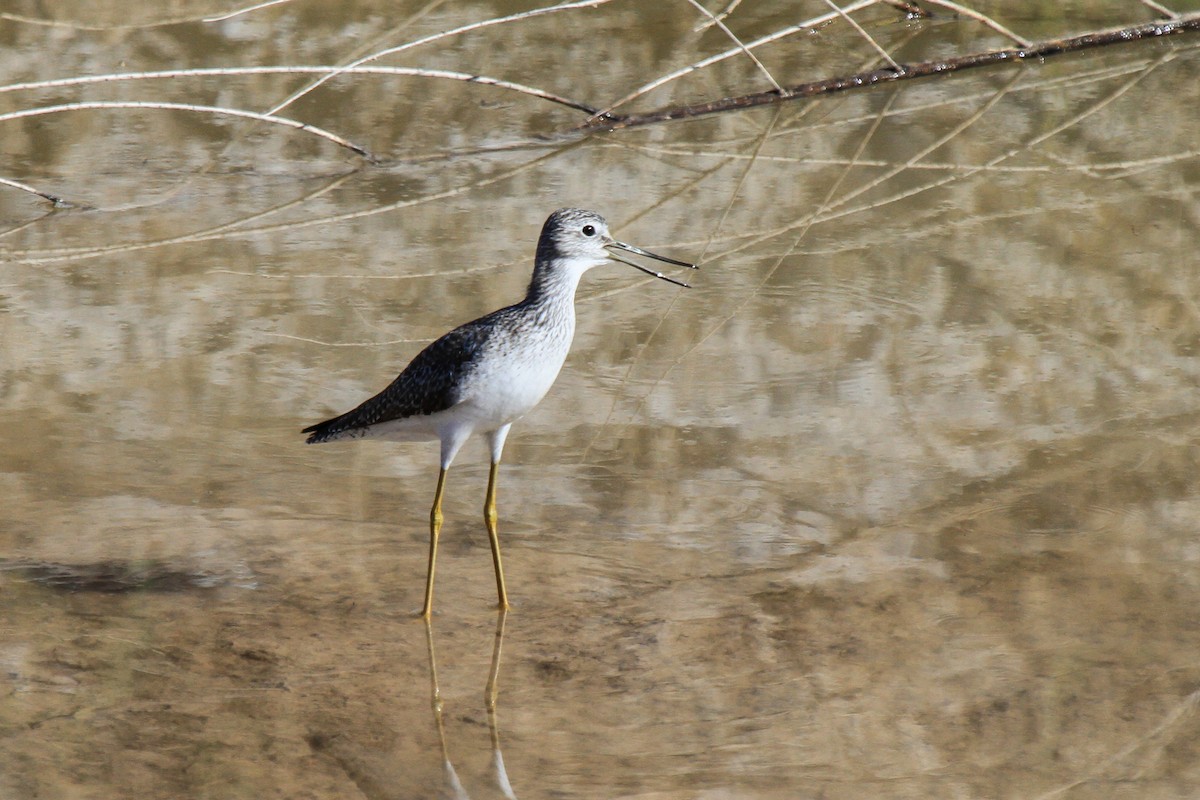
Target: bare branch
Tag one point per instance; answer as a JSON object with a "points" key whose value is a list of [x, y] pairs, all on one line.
{"points": [[598, 118], [862, 80]]}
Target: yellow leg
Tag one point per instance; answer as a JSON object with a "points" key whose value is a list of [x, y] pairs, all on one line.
{"points": [[435, 528], [489, 517]]}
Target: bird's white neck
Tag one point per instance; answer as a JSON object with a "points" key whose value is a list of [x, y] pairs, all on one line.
{"points": [[554, 281]]}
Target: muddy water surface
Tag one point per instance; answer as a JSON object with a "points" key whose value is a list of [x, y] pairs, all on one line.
{"points": [[899, 501]]}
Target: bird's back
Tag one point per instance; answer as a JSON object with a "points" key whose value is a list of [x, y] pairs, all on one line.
{"points": [[432, 382], [517, 342]]}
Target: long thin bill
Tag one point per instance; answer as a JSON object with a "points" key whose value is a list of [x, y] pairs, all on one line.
{"points": [[639, 251], [659, 275]]}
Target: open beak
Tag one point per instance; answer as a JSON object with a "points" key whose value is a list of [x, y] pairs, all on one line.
{"points": [[615, 245]]}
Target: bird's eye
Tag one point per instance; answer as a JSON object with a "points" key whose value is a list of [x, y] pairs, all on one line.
{"points": [[589, 230]]}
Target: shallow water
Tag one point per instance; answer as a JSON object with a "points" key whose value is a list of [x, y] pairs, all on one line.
{"points": [[899, 501]]}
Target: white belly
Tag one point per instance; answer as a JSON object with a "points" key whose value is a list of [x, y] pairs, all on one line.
{"points": [[508, 390]]}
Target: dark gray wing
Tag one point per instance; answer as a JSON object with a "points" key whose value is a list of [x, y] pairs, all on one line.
{"points": [[431, 383]]}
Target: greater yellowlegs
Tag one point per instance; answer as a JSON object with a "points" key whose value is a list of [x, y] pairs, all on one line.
{"points": [[487, 374]]}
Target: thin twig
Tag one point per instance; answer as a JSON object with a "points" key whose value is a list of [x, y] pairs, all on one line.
{"points": [[80, 26], [327, 71], [804, 225], [843, 211], [435, 37], [291, 276], [363, 47], [248, 10], [53, 198], [863, 33], [15, 229], [214, 232], [739, 43], [703, 26], [760, 141], [1161, 9], [231, 112], [933, 146], [911, 9], [1131, 165], [983, 18], [229, 230], [325, 343], [1183, 711]]}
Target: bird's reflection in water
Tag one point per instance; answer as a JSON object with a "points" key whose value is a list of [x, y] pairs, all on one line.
{"points": [[453, 786]]}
